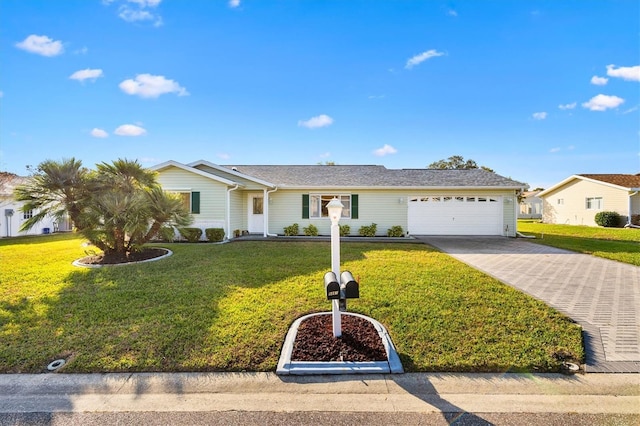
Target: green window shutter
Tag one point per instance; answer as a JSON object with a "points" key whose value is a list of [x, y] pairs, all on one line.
{"points": [[354, 206], [305, 206], [195, 202]]}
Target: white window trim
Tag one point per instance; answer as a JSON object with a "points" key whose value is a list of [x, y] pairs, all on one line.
{"points": [[318, 208]]}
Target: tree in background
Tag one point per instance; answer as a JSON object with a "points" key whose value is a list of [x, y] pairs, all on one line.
{"points": [[118, 207], [456, 162]]}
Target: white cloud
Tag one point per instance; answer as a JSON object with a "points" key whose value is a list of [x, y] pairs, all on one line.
{"points": [[99, 133], [87, 74], [130, 130], [452, 12], [385, 150], [321, 120], [234, 3], [599, 81], [41, 45], [554, 150], [630, 110], [603, 103], [625, 73], [151, 86], [418, 59], [539, 115], [568, 106], [223, 156], [138, 10], [1, 94]]}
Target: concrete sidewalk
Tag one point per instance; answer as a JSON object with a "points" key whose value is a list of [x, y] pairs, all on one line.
{"points": [[601, 295], [267, 392]]}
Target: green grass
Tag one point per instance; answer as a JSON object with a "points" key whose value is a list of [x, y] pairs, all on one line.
{"points": [[621, 244], [228, 307]]}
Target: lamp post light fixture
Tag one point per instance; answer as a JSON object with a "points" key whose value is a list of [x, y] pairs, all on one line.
{"points": [[334, 207]]}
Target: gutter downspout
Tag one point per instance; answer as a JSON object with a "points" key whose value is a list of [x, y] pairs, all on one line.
{"points": [[228, 233], [630, 203], [266, 209]]}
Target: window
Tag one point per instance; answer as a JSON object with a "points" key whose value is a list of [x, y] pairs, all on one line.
{"points": [[594, 203], [318, 205], [560, 201], [191, 200], [258, 205], [28, 214]]}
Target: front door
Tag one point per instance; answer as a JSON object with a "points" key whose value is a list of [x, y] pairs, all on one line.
{"points": [[256, 213]]}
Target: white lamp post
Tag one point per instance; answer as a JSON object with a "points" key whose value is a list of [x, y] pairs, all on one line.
{"points": [[335, 213]]}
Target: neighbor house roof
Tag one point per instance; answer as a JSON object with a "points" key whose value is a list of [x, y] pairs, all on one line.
{"points": [[8, 182], [625, 182], [361, 176]]}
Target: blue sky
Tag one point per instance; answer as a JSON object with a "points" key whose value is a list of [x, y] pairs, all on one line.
{"points": [[536, 90]]}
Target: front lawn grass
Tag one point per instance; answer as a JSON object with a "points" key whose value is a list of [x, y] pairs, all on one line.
{"points": [[227, 307], [621, 244]]}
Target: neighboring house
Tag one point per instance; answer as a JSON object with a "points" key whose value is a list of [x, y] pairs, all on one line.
{"points": [[12, 218], [577, 199], [530, 206], [266, 199]]}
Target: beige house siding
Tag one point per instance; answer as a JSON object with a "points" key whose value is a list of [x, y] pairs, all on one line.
{"points": [[212, 195], [568, 205], [381, 207]]}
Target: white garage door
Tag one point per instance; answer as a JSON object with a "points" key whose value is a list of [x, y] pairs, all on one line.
{"points": [[455, 215]]}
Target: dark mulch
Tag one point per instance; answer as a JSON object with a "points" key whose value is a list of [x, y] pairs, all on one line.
{"points": [[145, 254], [359, 342]]}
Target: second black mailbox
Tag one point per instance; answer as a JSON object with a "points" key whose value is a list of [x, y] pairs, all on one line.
{"points": [[349, 285]]}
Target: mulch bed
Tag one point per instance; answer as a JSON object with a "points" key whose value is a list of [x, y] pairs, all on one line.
{"points": [[359, 342], [145, 254]]}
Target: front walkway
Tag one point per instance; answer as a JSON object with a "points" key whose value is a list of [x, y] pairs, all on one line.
{"points": [[602, 295]]}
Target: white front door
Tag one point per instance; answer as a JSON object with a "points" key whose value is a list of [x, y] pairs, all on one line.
{"points": [[256, 213]]}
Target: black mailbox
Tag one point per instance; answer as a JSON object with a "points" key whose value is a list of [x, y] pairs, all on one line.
{"points": [[349, 285], [331, 286]]}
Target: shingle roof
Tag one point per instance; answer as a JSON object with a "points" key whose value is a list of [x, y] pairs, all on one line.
{"points": [[373, 176], [626, 181]]}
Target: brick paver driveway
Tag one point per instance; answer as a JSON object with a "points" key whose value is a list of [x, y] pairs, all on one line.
{"points": [[603, 296]]}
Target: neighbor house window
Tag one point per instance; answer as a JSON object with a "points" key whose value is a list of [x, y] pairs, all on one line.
{"points": [[560, 201], [191, 200], [28, 214], [314, 206], [594, 203]]}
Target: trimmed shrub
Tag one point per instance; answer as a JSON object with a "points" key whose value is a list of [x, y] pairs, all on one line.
{"points": [[311, 230], [344, 230], [635, 219], [214, 234], [395, 231], [607, 219], [192, 235], [368, 231], [291, 230]]}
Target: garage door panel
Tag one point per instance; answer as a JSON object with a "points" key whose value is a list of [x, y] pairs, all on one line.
{"points": [[454, 215]]}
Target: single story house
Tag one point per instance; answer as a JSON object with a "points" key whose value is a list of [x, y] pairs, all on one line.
{"points": [[530, 205], [264, 199], [11, 216], [577, 199]]}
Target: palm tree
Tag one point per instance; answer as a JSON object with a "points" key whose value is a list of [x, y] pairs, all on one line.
{"points": [[56, 189], [118, 208]]}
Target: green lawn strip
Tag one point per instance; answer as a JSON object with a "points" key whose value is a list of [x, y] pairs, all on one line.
{"points": [[620, 244], [227, 307]]}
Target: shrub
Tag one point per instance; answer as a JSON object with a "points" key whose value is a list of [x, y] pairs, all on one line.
{"points": [[635, 219], [214, 234], [311, 230], [368, 231], [345, 230], [395, 231], [191, 234], [607, 219], [291, 230], [167, 234]]}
